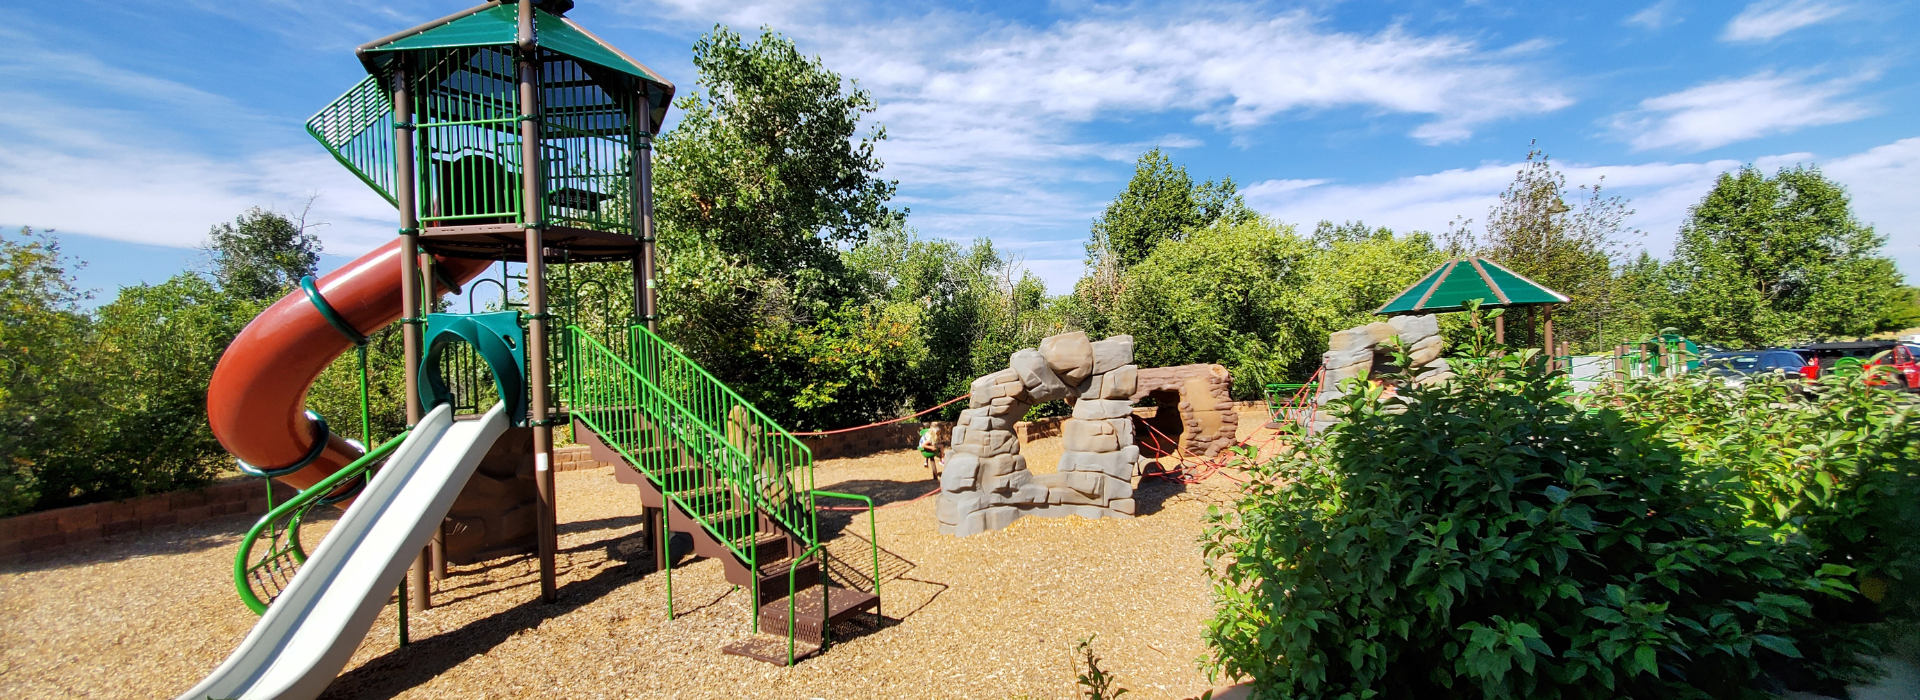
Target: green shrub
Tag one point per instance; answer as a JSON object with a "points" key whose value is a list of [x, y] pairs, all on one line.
{"points": [[1833, 466], [1491, 538]]}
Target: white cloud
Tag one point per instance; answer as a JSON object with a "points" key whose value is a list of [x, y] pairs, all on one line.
{"points": [[1719, 113], [101, 174], [1880, 181], [1659, 15], [1768, 19]]}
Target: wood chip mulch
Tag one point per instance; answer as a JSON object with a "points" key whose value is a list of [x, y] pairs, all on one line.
{"points": [[991, 616]]}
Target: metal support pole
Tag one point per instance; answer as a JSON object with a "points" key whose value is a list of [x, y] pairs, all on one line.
{"points": [[410, 315], [649, 307], [533, 214]]}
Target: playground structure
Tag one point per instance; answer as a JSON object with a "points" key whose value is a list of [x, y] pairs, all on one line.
{"points": [[503, 133], [986, 484]]}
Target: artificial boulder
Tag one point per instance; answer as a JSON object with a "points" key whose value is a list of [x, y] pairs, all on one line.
{"points": [[987, 486]]}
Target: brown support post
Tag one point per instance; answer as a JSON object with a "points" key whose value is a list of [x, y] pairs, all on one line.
{"points": [[1500, 329], [410, 336], [533, 213], [643, 267], [436, 547], [1553, 359]]}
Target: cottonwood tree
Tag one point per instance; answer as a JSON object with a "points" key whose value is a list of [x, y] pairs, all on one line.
{"points": [[1766, 260], [1571, 247]]}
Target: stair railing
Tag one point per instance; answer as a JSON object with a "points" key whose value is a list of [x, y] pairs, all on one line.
{"points": [[779, 466], [632, 413]]}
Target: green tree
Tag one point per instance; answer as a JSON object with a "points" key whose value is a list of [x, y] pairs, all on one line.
{"points": [[1571, 248], [45, 384], [1765, 260], [262, 253], [1161, 203], [761, 186], [155, 350], [1225, 294]]}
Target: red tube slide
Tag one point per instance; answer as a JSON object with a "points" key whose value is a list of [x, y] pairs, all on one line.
{"points": [[256, 402]]}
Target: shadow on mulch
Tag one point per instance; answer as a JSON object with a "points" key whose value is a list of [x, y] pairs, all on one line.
{"points": [[401, 669], [1153, 495]]}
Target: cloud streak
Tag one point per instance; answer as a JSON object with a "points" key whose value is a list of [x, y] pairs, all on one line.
{"points": [[1719, 113], [1767, 20]]}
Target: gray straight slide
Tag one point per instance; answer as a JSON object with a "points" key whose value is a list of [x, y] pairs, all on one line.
{"points": [[311, 630]]}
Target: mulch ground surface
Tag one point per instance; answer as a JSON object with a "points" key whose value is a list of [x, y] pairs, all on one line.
{"points": [[991, 616]]}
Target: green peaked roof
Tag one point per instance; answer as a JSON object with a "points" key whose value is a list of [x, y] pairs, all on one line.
{"points": [[499, 25], [1450, 286]]}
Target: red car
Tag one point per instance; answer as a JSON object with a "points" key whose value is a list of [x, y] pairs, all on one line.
{"points": [[1902, 357]]}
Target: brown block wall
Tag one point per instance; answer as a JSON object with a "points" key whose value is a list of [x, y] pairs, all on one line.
{"points": [[80, 525]]}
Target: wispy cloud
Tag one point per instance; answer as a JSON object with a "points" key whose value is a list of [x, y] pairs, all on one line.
{"points": [[1769, 19], [1719, 113], [1879, 180], [1659, 15]]}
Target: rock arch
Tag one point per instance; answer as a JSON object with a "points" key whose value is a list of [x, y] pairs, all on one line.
{"points": [[986, 485]]}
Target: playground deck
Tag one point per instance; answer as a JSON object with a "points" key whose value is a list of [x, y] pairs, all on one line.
{"points": [[989, 616]]}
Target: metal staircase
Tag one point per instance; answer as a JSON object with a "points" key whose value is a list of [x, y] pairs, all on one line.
{"points": [[719, 470]]}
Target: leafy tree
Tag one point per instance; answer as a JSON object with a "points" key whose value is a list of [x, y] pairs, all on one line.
{"points": [[1161, 203], [1570, 248], [1903, 310], [1764, 260], [262, 254], [767, 164], [1225, 294], [45, 385], [155, 351], [1352, 272]]}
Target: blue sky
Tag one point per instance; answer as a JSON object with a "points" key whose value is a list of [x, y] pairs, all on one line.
{"points": [[133, 125]]}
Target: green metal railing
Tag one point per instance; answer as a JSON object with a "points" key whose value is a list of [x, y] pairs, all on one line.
{"points": [[709, 451], [260, 580], [774, 463], [357, 128]]}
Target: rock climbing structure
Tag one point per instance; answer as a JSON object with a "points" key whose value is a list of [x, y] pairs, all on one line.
{"points": [[1202, 392], [986, 485], [1356, 352]]}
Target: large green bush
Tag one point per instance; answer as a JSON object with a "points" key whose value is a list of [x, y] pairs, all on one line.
{"points": [[1493, 538]]}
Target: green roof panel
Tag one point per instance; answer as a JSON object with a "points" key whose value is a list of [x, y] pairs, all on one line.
{"points": [[1450, 286], [1406, 301], [500, 26], [495, 26]]}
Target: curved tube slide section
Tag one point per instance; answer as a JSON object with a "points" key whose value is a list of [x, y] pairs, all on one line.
{"points": [[256, 402], [313, 627]]}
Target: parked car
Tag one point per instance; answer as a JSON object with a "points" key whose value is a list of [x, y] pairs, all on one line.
{"points": [[1738, 366], [1902, 357]]}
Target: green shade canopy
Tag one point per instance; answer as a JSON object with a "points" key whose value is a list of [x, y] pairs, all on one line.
{"points": [[499, 25], [1450, 286]]}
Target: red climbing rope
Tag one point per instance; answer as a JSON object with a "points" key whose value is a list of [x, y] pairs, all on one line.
{"points": [[881, 423]]}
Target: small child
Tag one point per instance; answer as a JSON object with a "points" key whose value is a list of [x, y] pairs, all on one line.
{"points": [[930, 449]]}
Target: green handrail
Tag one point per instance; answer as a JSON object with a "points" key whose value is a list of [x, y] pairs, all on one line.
{"points": [[294, 507], [766, 445], [826, 607], [873, 535], [652, 407]]}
